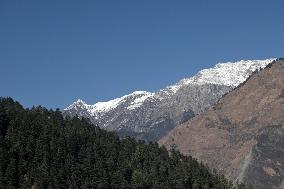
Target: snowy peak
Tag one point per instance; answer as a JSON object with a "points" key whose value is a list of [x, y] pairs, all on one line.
{"points": [[77, 104], [109, 105], [229, 74], [137, 98]]}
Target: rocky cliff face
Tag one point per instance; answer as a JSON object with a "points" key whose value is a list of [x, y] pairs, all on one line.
{"points": [[242, 135], [150, 116]]}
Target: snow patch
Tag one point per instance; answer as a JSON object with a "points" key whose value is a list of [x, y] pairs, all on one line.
{"points": [[139, 101], [78, 104]]}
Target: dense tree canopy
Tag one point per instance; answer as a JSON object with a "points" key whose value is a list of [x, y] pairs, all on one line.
{"points": [[42, 150]]}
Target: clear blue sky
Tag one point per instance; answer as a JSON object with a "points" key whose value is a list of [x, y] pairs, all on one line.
{"points": [[53, 52]]}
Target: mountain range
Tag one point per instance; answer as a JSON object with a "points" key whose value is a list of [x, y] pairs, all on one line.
{"points": [[150, 116]]}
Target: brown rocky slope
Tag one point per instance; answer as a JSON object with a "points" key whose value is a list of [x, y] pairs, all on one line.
{"points": [[242, 136]]}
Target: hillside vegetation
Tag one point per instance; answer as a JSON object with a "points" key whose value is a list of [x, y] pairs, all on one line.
{"points": [[40, 149]]}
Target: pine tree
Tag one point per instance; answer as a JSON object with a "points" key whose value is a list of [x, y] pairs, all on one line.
{"points": [[11, 175]]}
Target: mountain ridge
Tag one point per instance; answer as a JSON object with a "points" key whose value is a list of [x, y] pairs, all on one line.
{"points": [[196, 79], [140, 111]]}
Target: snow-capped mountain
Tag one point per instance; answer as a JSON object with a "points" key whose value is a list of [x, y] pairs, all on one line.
{"points": [[137, 98], [150, 116]]}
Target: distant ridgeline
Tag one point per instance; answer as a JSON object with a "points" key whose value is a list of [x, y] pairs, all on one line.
{"points": [[40, 149]]}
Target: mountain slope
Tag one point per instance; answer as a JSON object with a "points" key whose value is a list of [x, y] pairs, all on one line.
{"points": [[42, 150], [150, 116], [242, 135]]}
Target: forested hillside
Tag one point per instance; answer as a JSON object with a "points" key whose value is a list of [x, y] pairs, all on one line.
{"points": [[40, 149]]}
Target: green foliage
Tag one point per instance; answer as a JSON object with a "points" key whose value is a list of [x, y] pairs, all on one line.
{"points": [[41, 149]]}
